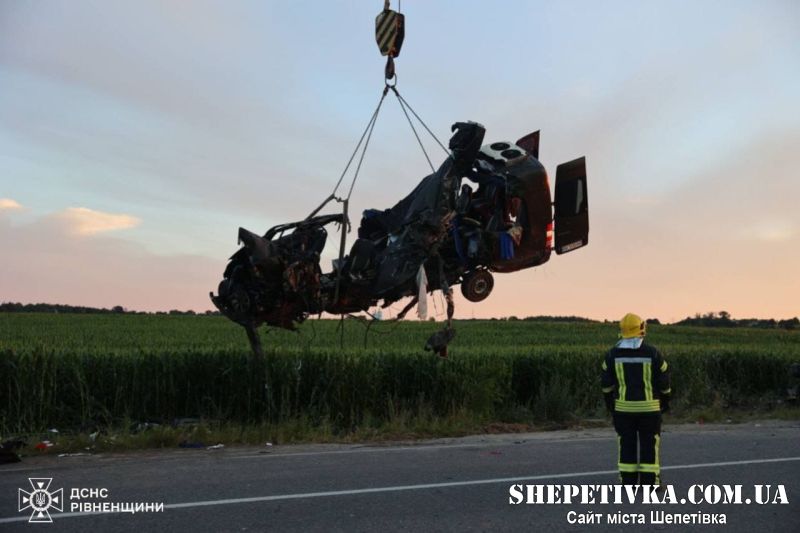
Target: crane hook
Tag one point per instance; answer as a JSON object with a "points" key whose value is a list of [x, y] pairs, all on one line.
{"points": [[389, 34]]}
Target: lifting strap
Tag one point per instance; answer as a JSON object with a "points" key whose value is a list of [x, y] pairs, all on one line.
{"points": [[389, 34]]}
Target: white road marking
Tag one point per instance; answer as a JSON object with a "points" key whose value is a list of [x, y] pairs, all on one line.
{"points": [[423, 486]]}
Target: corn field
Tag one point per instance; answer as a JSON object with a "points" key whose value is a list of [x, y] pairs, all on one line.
{"points": [[84, 371]]}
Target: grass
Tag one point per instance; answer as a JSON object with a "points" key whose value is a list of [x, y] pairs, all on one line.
{"points": [[110, 373], [403, 428]]}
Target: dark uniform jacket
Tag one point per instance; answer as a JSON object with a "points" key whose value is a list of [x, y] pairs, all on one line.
{"points": [[638, 376]]}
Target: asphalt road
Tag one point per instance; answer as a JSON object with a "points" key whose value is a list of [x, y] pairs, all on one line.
{"points": [[441, 485]]}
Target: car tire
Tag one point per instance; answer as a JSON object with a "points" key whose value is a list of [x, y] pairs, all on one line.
{"points": [[477, 285]]}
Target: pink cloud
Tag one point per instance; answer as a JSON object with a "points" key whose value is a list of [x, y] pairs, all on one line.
{"points": [[7, 204], [85, 221], [72, 257]]}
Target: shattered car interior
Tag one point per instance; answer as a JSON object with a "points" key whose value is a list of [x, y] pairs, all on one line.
{"points": [[486, 209]]}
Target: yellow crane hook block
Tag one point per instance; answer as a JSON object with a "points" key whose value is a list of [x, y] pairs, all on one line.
{"points": [[389, 31]]}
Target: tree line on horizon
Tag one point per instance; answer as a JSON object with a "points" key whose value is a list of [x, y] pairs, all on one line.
{"points": [[710, 319], [723, 319], [16, 307]]}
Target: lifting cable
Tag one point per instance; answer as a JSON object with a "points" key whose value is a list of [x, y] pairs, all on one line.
{"points": [[389, 35], [404, 104], [367, 134]]}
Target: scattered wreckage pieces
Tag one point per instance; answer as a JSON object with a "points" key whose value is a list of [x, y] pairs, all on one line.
{"points": [[437, 343]]}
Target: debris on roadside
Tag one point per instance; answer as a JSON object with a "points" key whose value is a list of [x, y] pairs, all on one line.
{"points": [[7, 453]]}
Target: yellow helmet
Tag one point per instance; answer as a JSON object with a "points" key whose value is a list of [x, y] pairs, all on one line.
{"points": [[631, 326]]}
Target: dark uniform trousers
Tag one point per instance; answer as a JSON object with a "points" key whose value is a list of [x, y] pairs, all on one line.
{"points": [[639, 440]]}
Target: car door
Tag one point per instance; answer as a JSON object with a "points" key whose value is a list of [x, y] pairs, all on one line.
{"points": [[571, 206]]}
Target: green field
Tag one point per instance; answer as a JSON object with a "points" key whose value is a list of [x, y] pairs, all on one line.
{"points": [[83, 372]]}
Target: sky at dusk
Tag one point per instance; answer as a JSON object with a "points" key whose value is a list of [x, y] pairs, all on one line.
{"points": [[136, 137]]}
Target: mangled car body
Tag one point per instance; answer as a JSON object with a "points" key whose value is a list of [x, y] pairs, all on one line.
{"points": [[486, 209]]}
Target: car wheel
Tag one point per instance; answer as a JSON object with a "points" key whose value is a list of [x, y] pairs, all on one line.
{"points": [[477, 285]]}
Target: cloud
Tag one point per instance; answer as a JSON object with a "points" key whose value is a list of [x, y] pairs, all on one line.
{"points": [[770, 231], [85, 221], [48, 261], [7, 204]]}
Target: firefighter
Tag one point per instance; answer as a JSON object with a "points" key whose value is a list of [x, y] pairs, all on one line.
{"points": [[636, 389]]}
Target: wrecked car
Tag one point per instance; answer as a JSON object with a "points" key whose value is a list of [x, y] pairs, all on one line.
{"points": [[487, 209]]}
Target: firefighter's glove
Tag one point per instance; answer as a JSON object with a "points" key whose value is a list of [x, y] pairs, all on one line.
{"points": [[608, 397]]}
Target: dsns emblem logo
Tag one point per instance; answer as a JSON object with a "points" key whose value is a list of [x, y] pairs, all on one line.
{"points": [[41, 499]]}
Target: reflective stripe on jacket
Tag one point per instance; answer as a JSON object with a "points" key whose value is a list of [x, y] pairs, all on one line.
{"points": [[638, 376]]}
